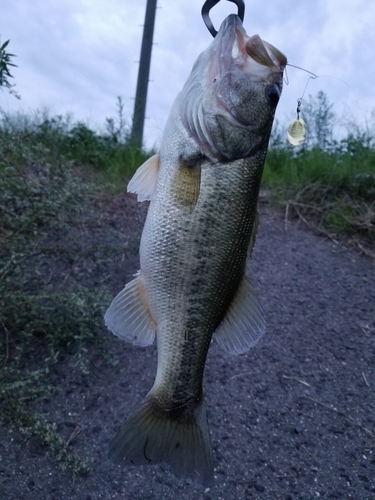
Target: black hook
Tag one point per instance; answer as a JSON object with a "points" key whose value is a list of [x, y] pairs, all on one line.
{"points": [[207, 6]]}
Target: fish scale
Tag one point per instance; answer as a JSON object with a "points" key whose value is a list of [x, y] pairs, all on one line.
{"points": [[210, 274], [196, 245]]}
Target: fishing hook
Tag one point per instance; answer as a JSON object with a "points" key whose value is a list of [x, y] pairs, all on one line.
{"points": [[207, 6]]}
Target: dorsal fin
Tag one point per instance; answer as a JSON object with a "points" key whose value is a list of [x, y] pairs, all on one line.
{"points": [[143, 181]]}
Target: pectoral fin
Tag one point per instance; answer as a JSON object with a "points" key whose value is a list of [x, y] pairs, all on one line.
{"points": [[186, 186], [143, 181], [129, 316], [244, 323]]}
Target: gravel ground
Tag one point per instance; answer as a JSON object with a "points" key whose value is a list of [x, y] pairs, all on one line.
{"points": [[292, 419]]}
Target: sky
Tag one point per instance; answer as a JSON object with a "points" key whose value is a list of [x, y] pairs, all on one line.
{"points": [[77, 56]]}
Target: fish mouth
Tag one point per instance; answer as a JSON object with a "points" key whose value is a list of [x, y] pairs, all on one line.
{"points": [[265, 54], [233, 45]]}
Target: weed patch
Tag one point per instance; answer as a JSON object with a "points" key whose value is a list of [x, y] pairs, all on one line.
{"points": [[31, 427], [46, 310]]}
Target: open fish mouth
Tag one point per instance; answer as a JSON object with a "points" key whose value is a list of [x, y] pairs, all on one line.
{"points": [[265, 54], [234, 46]]}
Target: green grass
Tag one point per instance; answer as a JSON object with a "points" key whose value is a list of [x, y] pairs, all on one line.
{"points": [[61, 141], [350, 166], [334, 191]]}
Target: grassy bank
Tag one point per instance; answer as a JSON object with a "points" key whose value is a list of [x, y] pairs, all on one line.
{"points": [[51, 172], [328, 183]]}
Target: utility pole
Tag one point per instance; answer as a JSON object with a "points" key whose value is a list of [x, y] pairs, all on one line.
{"points": [[143, 75]]}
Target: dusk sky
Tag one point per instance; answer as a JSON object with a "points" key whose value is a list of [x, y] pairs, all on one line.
{"points": [[77, 56]]}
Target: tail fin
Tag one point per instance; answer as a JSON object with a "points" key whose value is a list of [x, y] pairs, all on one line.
{"points": [[179, 438]]}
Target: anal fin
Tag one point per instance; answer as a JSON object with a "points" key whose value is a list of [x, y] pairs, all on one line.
{"points": [[129, 316], [243, 324]]}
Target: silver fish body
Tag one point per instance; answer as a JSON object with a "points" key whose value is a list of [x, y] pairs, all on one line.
{"points": [[196, 243]]}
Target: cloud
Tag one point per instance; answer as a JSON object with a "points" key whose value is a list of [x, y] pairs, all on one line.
{"points": [[78, 56]]}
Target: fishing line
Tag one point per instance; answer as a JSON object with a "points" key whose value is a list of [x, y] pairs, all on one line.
{"points": [[297, 127]]}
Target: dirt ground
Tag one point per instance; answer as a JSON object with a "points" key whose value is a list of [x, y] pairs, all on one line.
{"points": [[294, 418]]}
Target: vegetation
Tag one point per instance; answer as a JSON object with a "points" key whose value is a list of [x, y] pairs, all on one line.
{"points": [[64, 141], [43, 311], [329, 183], [49, 311], [5, 62]]}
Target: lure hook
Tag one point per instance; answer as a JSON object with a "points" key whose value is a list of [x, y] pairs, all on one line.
{"points": [[207, 6]]}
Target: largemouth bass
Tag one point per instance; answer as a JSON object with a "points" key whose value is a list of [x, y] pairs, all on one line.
{"points": [[197, 240]]}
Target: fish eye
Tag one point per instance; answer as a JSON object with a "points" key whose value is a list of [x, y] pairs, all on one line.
{"points": [[273, 94]]}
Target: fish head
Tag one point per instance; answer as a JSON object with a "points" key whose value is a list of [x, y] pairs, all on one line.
{"points": [[229, 101]]}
